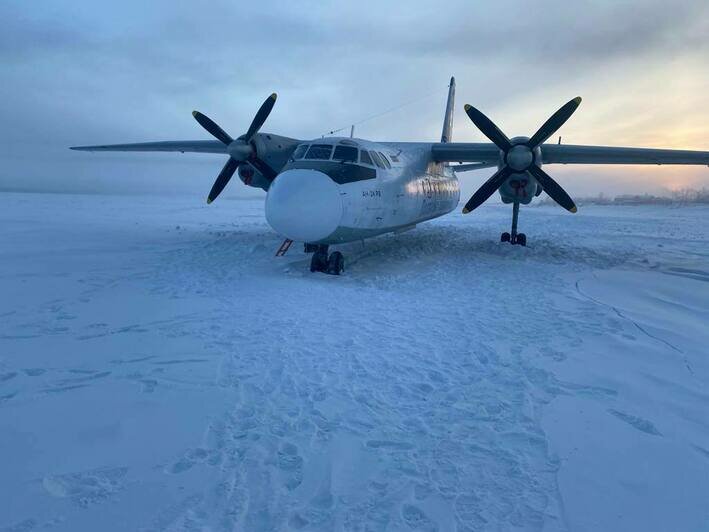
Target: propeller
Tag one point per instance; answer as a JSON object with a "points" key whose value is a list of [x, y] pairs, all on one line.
{"points": [[240, 150], [519, 157]]}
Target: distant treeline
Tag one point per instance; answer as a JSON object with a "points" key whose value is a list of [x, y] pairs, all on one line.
{"points": [[684, 196]]}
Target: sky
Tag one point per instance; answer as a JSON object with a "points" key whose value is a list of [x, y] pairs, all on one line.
{"points": [[86, 72]]}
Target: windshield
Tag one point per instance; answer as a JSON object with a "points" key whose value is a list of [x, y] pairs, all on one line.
{"points": [[319, 151], [377, 160], [345, 153], [300, 151]]}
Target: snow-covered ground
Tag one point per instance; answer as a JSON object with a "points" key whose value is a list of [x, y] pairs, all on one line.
{"points": [[161, 370]]}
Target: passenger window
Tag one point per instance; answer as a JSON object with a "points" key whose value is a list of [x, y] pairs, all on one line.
{"points": [[300, 151], [345, 153], [319, 151], [384, 159], [365, 158], [377, 160]]}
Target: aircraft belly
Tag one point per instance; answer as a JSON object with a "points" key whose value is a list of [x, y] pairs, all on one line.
{"points": [[375, 207]]}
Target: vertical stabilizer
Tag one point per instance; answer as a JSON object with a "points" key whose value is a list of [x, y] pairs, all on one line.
{"points": [[447, 134]]}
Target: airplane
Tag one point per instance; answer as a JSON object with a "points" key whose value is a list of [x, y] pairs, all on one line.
{"points": [[334, 190]]}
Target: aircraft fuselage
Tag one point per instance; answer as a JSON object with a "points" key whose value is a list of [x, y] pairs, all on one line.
{"points": [[339, 190]]}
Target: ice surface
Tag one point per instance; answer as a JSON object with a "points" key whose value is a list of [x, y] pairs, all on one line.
{"points": [[161, 370]]}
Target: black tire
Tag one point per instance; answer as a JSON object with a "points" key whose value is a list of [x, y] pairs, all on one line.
{"points": [[336, 263], [505, 237], [522, 239], [318, 262]]}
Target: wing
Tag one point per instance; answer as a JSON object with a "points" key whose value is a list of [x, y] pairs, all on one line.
{"points": [[488, 153], [194, 146], [468, 152], [472, 166], [570, 154]]}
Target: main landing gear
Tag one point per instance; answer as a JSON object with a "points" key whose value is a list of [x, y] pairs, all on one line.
{"points": [[514, 237], [334, 264]]}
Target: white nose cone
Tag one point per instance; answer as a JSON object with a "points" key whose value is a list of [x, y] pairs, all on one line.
{"points": [[304, 205]]}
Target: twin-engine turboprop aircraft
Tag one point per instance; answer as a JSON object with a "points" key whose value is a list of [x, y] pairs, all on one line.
{"points": [[335, 190]]}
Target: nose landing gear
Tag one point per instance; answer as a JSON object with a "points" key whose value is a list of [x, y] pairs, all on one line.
{"points": [[334, 264], [514, 237]]}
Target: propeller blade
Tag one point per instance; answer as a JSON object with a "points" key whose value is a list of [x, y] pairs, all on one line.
{"points": [[211, 126], [552, 188], [260, 117], [554, 123], [263, 167], [489, 129], [222, 179], [487, 189]]}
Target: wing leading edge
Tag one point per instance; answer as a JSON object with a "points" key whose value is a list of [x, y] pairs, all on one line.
{"points": [[183, 146], [571, 154]]}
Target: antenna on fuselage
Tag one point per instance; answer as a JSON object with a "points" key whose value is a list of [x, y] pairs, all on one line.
{"points": [[352, 131], [386, 112]]}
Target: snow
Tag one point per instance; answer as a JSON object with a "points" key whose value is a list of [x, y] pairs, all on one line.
{"points": [[160, 369]]}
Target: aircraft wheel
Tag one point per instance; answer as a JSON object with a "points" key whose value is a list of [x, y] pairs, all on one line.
{"points": [[522, 239], [318, 262], [505, 237], [336, 263]]}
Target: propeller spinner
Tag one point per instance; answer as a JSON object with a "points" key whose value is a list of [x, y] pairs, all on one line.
{"points": [[241, 151], [520, 157]]}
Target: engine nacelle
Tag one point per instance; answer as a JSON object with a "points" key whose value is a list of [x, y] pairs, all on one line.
{"points": [[252, 177], [274, 150], [521, 187]]}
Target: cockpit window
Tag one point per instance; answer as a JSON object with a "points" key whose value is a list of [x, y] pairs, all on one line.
{"points": [[300, 151], [384, 159], [319, 151], [365, 158], [345, 153], [377, 159]]}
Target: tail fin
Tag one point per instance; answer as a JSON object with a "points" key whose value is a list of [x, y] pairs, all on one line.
{"points": [[447, 134]]}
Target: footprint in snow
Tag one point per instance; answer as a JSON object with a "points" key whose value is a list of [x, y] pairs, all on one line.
{"points": [[188, 460], [86, 378], [7, 376], [7, 397], [701, 450], [643, 425], [181, 361], [21, 526], [148, 385], [391, 445], [87, 487], [415, 519], [62, 389], [131, 360]]}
